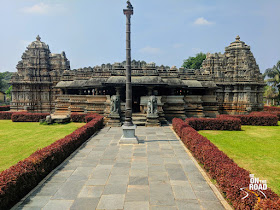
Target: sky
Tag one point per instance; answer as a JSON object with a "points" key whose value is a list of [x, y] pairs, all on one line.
{"points": [[92, 32]]}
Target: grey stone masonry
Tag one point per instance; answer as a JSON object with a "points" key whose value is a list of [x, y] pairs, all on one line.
{"points": [[156, 174]]}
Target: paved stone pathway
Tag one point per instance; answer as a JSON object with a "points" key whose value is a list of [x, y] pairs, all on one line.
{"points": [[156, 174]]}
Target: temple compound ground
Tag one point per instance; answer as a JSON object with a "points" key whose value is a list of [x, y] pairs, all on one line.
{"points": [[158, 173]]}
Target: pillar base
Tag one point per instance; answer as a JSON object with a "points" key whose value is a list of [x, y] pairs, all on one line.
{"points": [[128, 136]]}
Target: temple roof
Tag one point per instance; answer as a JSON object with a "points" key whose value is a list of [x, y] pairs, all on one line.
{"points": [[38, 44], [135, 80], [143, 80]]}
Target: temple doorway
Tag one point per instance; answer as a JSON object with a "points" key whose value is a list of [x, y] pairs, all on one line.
{"points": [[137, 92]]}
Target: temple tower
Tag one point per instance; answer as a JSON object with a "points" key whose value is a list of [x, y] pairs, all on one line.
{"points": [[37, 73]]}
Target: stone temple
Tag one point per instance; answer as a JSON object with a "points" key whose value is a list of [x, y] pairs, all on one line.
{"points": [[229, 83]]}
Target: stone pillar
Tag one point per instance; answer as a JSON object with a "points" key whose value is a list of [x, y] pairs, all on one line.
{"points": [[128, 136]]}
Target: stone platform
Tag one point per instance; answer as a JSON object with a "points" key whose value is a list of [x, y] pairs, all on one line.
{"points": [[102, 174]]}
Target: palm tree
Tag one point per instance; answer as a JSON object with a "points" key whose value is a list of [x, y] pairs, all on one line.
{"points": [[273, 75]]}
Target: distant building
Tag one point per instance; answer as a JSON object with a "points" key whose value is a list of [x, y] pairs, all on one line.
{"points": [[227, 83]]}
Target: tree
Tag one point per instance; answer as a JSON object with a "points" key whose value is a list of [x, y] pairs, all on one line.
{"points": [[270, 93], [5, 78], [273, 75], [194, 62], [8, 93], [1, 81]]}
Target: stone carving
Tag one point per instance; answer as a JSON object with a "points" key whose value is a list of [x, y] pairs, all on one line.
{"points": [[49, 119], [129, 6], [152, 106], [115, 104]]}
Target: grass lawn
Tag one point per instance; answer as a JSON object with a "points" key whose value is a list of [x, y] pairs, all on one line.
{"points": [[18, 140], [255, 148]]}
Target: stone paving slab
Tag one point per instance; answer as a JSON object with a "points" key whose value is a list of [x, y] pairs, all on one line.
{"points": [[155, 174]]}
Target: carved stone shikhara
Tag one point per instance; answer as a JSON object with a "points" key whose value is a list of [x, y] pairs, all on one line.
{"points": [[37, 73], [227, 83]]}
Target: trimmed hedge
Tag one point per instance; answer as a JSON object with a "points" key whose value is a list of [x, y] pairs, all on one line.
{"points": [[83, 117], [268, 204], [90, 117], [5, 108], [75, 117], [19, 179], [277, 113], [229, 176], [36, 117], [28, 117], [6, 115], [255, 118], [224, 123], [271, 108]]}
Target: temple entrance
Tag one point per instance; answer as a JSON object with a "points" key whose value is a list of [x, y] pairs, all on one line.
{"points": [[137, 92]]}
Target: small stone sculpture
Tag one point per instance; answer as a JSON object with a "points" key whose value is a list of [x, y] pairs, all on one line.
{"points": [[49, 119], [129, 6], [115, 104], [152, 106]]}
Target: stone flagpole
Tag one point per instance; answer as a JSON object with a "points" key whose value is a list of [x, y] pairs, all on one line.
{"points": [[128, 136]]}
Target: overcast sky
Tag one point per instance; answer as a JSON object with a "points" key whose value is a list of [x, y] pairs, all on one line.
{"points": [[92, 32]]}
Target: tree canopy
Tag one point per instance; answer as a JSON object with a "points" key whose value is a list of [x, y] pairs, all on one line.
{"points": [[273, 80], [194, 62], [5, 78], [273, 75]]}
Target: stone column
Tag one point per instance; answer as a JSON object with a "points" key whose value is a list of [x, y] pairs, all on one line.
{"points": [[128, 106], [128, 136]]}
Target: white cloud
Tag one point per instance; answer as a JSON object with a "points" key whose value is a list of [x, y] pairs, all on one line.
{"points": [[150, 50], [178, 45], [43, 9], [202, 21]]}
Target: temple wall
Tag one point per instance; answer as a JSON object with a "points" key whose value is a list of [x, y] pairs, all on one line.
{"points": [[239, 99], [82, 104]]}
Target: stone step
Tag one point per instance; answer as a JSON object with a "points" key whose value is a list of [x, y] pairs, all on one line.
{"points": [[138, 115], [139, 123], [140, 119]]}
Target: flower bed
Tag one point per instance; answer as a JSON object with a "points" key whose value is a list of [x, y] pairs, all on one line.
{"points": [[224, 123], [19, 179], [229, 176], [5, 108], [256, 118], [28, 117]]}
